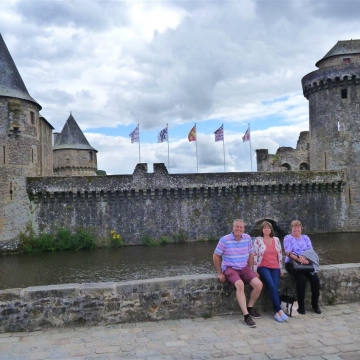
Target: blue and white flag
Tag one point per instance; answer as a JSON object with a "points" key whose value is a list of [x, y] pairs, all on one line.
{"points": [[163, 135], [134, 135], [219, 133]]}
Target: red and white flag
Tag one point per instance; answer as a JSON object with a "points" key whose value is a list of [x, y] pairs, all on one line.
{"points": [[246, 137], [134, 135], [219, 133], [192, 134]]}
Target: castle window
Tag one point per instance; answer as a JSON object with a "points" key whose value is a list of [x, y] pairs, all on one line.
{"points": [[344, 93], [90, 156], [346, 60], [32, 117], [3, 148], [32, 155]]}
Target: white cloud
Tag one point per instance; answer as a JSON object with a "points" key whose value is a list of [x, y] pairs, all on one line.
{"points": [[116, 63]]}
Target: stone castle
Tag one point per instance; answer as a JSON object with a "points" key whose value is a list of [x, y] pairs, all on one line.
{"points": [[45, 186]]}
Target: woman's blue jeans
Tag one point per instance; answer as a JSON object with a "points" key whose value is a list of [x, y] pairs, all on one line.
{"points": [[271, 278]]}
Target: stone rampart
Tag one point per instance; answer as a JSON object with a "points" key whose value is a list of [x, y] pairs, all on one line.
{"points": [[179, 297], [328, 78], [199, 205]]}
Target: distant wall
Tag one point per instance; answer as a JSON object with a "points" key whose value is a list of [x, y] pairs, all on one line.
{"points": [[179, 297], [286, 158], [200, 205]]}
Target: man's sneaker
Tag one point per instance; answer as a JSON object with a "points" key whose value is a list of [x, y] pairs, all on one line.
{"points": [[253, 313], [249, 322]]}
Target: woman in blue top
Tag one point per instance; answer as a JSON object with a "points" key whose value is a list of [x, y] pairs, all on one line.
{"points": [[295, 244]]}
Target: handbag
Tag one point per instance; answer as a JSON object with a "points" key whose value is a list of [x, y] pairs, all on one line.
{"points": [[288, 302], [297, 267]]}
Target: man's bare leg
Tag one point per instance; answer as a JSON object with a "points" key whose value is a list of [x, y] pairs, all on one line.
{"points": [[240, 296], [257, 286]]}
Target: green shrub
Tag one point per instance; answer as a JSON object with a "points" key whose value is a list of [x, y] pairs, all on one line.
{"points": [[164, 240], [43, 242], [64, 239], [148, 240], [83, 239], [180, 236], [206, 315]]}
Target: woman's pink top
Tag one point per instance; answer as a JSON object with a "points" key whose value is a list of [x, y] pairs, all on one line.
{"points": [[270, 257], [260, 250]]}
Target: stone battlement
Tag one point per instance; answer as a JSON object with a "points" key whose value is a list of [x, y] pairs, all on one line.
{"points": [[160, 184], [327, 78]]}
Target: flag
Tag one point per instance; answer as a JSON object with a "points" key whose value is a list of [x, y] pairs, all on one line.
{"points": [[135, 135], [163, 135], [192, 134], [219, 133], [246, 137]]}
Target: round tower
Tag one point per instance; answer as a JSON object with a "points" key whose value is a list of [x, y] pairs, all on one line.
{"points": [[23, 138], [333, 92], [73, 155]]}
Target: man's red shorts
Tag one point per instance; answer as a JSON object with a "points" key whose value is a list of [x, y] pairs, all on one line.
{"points": [[245, 274]]}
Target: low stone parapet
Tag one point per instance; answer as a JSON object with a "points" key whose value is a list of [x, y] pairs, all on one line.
{"points": [[178, 297]]}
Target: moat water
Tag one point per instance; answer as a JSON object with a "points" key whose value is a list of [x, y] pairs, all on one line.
{"points": [[142, 262]]}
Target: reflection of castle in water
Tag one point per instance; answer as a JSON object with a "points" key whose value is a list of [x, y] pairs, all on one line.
{"points": [[44, 187]]}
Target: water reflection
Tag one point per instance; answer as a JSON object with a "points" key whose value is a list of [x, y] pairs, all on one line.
{"points": [[139, 262]]}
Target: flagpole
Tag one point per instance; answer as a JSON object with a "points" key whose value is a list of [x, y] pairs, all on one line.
{"points": [[223, 146], [139, 143], [250, 148], [197, 164], [167, 132]]}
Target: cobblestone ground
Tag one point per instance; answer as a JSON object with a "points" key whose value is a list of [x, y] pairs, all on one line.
{"points": [[335, 334]]}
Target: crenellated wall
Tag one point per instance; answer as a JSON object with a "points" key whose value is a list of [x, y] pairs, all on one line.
{"points": [[42, 307], [199, 205]]}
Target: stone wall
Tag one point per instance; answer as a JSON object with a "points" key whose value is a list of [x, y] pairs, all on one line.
{"points": [[75, 162], [42, 307], [19, 158], [45, 149], [286, 158], [199, 205], [338, 60]]}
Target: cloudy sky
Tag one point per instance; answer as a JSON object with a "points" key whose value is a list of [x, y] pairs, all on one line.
{"points": [[115, 64]]}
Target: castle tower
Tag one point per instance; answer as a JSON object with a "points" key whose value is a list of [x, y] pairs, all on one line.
{"points": [[333, 92], [25, 137], [73, 155]]}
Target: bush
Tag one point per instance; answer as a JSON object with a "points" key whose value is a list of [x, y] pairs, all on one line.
{"points": [[180, 236], [164, 240], [64, 239], [83, 239], [148, 240]]}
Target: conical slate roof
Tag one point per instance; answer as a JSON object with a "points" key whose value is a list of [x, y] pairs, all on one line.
{"points": [[343, 47], [11, 83], [71, 137]]}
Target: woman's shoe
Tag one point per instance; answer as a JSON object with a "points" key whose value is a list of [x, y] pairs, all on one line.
{"points": [[317, 310], [278, 318], [301, 311], [284, 317]]}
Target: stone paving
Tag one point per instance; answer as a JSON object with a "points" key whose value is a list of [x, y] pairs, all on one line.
{"points": [[335, 334]]}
